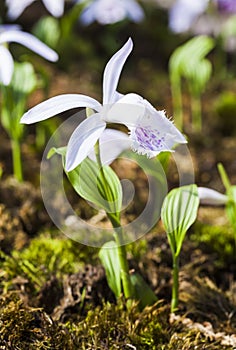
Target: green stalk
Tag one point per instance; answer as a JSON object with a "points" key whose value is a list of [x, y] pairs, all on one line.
{"points": [[114, 218], [177, 102], [175, 286], [196, 108], [16, 157], [124, 267]]}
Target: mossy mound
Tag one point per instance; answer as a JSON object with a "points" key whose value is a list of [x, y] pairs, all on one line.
{"points": [[29, 328], [109, 326]]}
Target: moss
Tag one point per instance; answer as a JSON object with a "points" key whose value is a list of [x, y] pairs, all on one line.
{"points": [[29, 328], [110, 326], [113, 327], [137, 249], [215, 239], [43, 258]]}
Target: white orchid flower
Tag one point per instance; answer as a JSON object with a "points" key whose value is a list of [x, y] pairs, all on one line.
{"points": [[12, 33], [208, 196], [150, 131], [16, 7], [184, 13], [110, 11]]}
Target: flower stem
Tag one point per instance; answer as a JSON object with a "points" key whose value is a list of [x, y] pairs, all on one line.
{"points": [[16, 157], [175, 286], [114, 218], [124, 267]]}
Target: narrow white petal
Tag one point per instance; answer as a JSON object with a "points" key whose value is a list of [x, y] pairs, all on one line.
{"points": [[29, 41], [56, 105], [55, 7], [6, 65], [208, 196], [112, 143], [16, 7], [113, 70], [83, 140]]}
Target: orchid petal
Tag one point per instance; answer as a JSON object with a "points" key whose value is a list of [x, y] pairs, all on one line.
{"points": [[55, 7], [134, 10], [16, 7], [29, 41], [128, 110], [6, 65], [208, 196], [56, 105], [113, 70], [87, 16], [83, 140], [150, 131], [6, 27], [109, 11], [112, 143]]}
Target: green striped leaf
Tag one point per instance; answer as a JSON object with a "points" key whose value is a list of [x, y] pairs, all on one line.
{"points": [[101, 187], [179, 211], [108, 255]]}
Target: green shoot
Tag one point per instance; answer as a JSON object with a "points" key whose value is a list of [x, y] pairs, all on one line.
{"points": [[14, 99], [179, 211]]}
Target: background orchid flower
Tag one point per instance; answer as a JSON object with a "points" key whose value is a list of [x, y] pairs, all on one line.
{"points": [[16, 7], [150, 131], [110, 11], [209, 196], [183, 13], [14, 34]]}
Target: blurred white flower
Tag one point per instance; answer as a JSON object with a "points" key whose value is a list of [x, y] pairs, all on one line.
{"points": [[16, 7], [208, 196], [12, 33], [184, 13], [110, 11]]}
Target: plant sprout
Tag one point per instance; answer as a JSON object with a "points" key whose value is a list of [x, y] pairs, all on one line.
{"points": [[14, 99], [188, 61], [179, 211], [150, 133]]}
